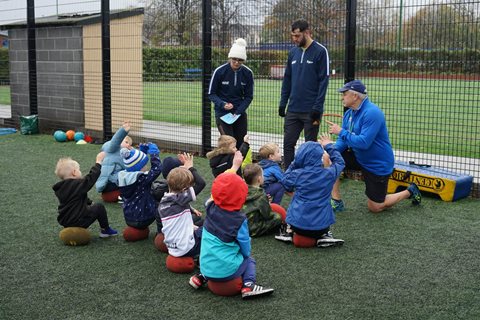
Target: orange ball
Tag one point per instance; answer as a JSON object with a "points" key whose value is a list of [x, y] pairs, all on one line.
{"points": [[70, 135]]}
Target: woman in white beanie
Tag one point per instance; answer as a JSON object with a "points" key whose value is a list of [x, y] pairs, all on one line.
{"points": [[231, 91]]}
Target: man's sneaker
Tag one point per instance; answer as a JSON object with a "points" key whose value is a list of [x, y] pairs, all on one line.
{"points": [[337, 205], [197, 281], [119, 200], [415, 194], [108, 232], [285, 233], [327, 240], [251, 289]]}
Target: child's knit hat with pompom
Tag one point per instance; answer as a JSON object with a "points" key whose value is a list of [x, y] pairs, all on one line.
{"points": [[134, 159]]}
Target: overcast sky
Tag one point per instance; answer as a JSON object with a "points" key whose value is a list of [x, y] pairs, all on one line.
{"points": [[14, 10]]}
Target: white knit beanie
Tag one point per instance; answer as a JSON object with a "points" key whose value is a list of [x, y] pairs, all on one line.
{"points": [[239, 49]]}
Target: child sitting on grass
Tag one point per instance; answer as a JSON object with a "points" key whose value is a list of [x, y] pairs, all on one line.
{"points": [[75, 208], [139, 205], [310, 213], [261, 218], [221, 158], [272, 173], [226, 244], [113, 162], [182, 237]]}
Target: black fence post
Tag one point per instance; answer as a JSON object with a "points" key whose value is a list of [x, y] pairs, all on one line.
{"points": [[350, 40], [206, 74], [106, 72], [32, 57]]}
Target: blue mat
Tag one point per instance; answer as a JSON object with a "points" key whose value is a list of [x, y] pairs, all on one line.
{"points": [[4, 131]]}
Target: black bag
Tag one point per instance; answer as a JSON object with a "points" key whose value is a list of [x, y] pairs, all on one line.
{"points": [[29, 124]]}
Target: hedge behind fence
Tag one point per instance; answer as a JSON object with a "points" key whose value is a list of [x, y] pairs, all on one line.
{"points": [[169, 63]]}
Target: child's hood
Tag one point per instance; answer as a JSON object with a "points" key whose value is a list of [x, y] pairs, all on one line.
{"points": [[309, 155], [267, 163], [229, 191], [126, 178], [219, 151], [255, 193], [181, 198]]}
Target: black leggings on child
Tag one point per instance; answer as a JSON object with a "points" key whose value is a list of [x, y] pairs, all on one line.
{"points": [[95, 211]]}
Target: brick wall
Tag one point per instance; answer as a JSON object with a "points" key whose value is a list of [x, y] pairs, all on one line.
{"points": [[59, 73]]}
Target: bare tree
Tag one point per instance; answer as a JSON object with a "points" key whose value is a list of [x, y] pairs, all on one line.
{"points": [[225, 15], [323, 16], [441, 27], [174, 21]]}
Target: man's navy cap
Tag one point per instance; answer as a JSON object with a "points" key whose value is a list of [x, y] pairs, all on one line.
{"points": [[355, 85]]}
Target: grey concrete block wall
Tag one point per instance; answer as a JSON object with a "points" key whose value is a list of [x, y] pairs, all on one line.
{"points": [[59, 76]]}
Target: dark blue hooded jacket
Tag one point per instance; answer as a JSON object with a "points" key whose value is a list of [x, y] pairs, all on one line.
{"points": [[310, 208]]}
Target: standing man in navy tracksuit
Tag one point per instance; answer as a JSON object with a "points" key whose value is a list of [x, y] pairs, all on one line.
{"points": [[231, 91], [304, 88]]}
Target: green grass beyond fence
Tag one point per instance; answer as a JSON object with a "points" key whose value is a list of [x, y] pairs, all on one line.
{"points": [[406, 263], [427, 116], [420, 114]]}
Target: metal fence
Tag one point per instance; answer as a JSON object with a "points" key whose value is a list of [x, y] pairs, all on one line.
{"points": [[420, 61]]}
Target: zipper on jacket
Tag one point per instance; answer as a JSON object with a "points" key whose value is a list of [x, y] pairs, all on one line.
{"points": [[235, 81]]}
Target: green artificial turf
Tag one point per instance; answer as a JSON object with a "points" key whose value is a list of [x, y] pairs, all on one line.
{"points": [[406, 263]]}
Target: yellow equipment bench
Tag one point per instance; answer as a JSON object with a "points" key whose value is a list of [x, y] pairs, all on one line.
{"points": [[450, 186]]}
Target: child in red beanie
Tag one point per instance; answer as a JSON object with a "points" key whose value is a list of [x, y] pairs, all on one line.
{"points": [[226, 243]]}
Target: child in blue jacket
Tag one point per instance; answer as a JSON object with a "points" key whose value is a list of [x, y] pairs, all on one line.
{"points": [[113, 162], [312, 176], [139, 205], [226, 243], [272, 173]]}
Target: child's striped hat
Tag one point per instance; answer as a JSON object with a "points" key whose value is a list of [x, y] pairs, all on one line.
{"points": [[134, 159]]}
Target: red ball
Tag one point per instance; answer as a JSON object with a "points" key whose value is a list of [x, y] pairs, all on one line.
{"points": [[226, 288], [70, 135], [133, 234], [180, 264], [279, 209], [159, 244], [300, 241], [111, 196]]}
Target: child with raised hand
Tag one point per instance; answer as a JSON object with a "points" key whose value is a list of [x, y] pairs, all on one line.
{"points": [[261, 219], [113, 162], [169, 163], [226, 244], [139, 205], [272, 172], [182, 237], [221, 158], [310, 213], [160, 187], [75, 208]]}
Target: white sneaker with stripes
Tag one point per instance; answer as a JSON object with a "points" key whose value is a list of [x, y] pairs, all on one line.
{"points": [[251, 289]]}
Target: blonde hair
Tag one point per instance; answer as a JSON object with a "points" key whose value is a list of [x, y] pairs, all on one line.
{"points": [[65, 167], [179, 179], [251, 172], [267, 150], [224, 141]]}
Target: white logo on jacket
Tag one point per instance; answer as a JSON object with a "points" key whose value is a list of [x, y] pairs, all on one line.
{"points": [[225, 82], [309, 61], [294, 61]]}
